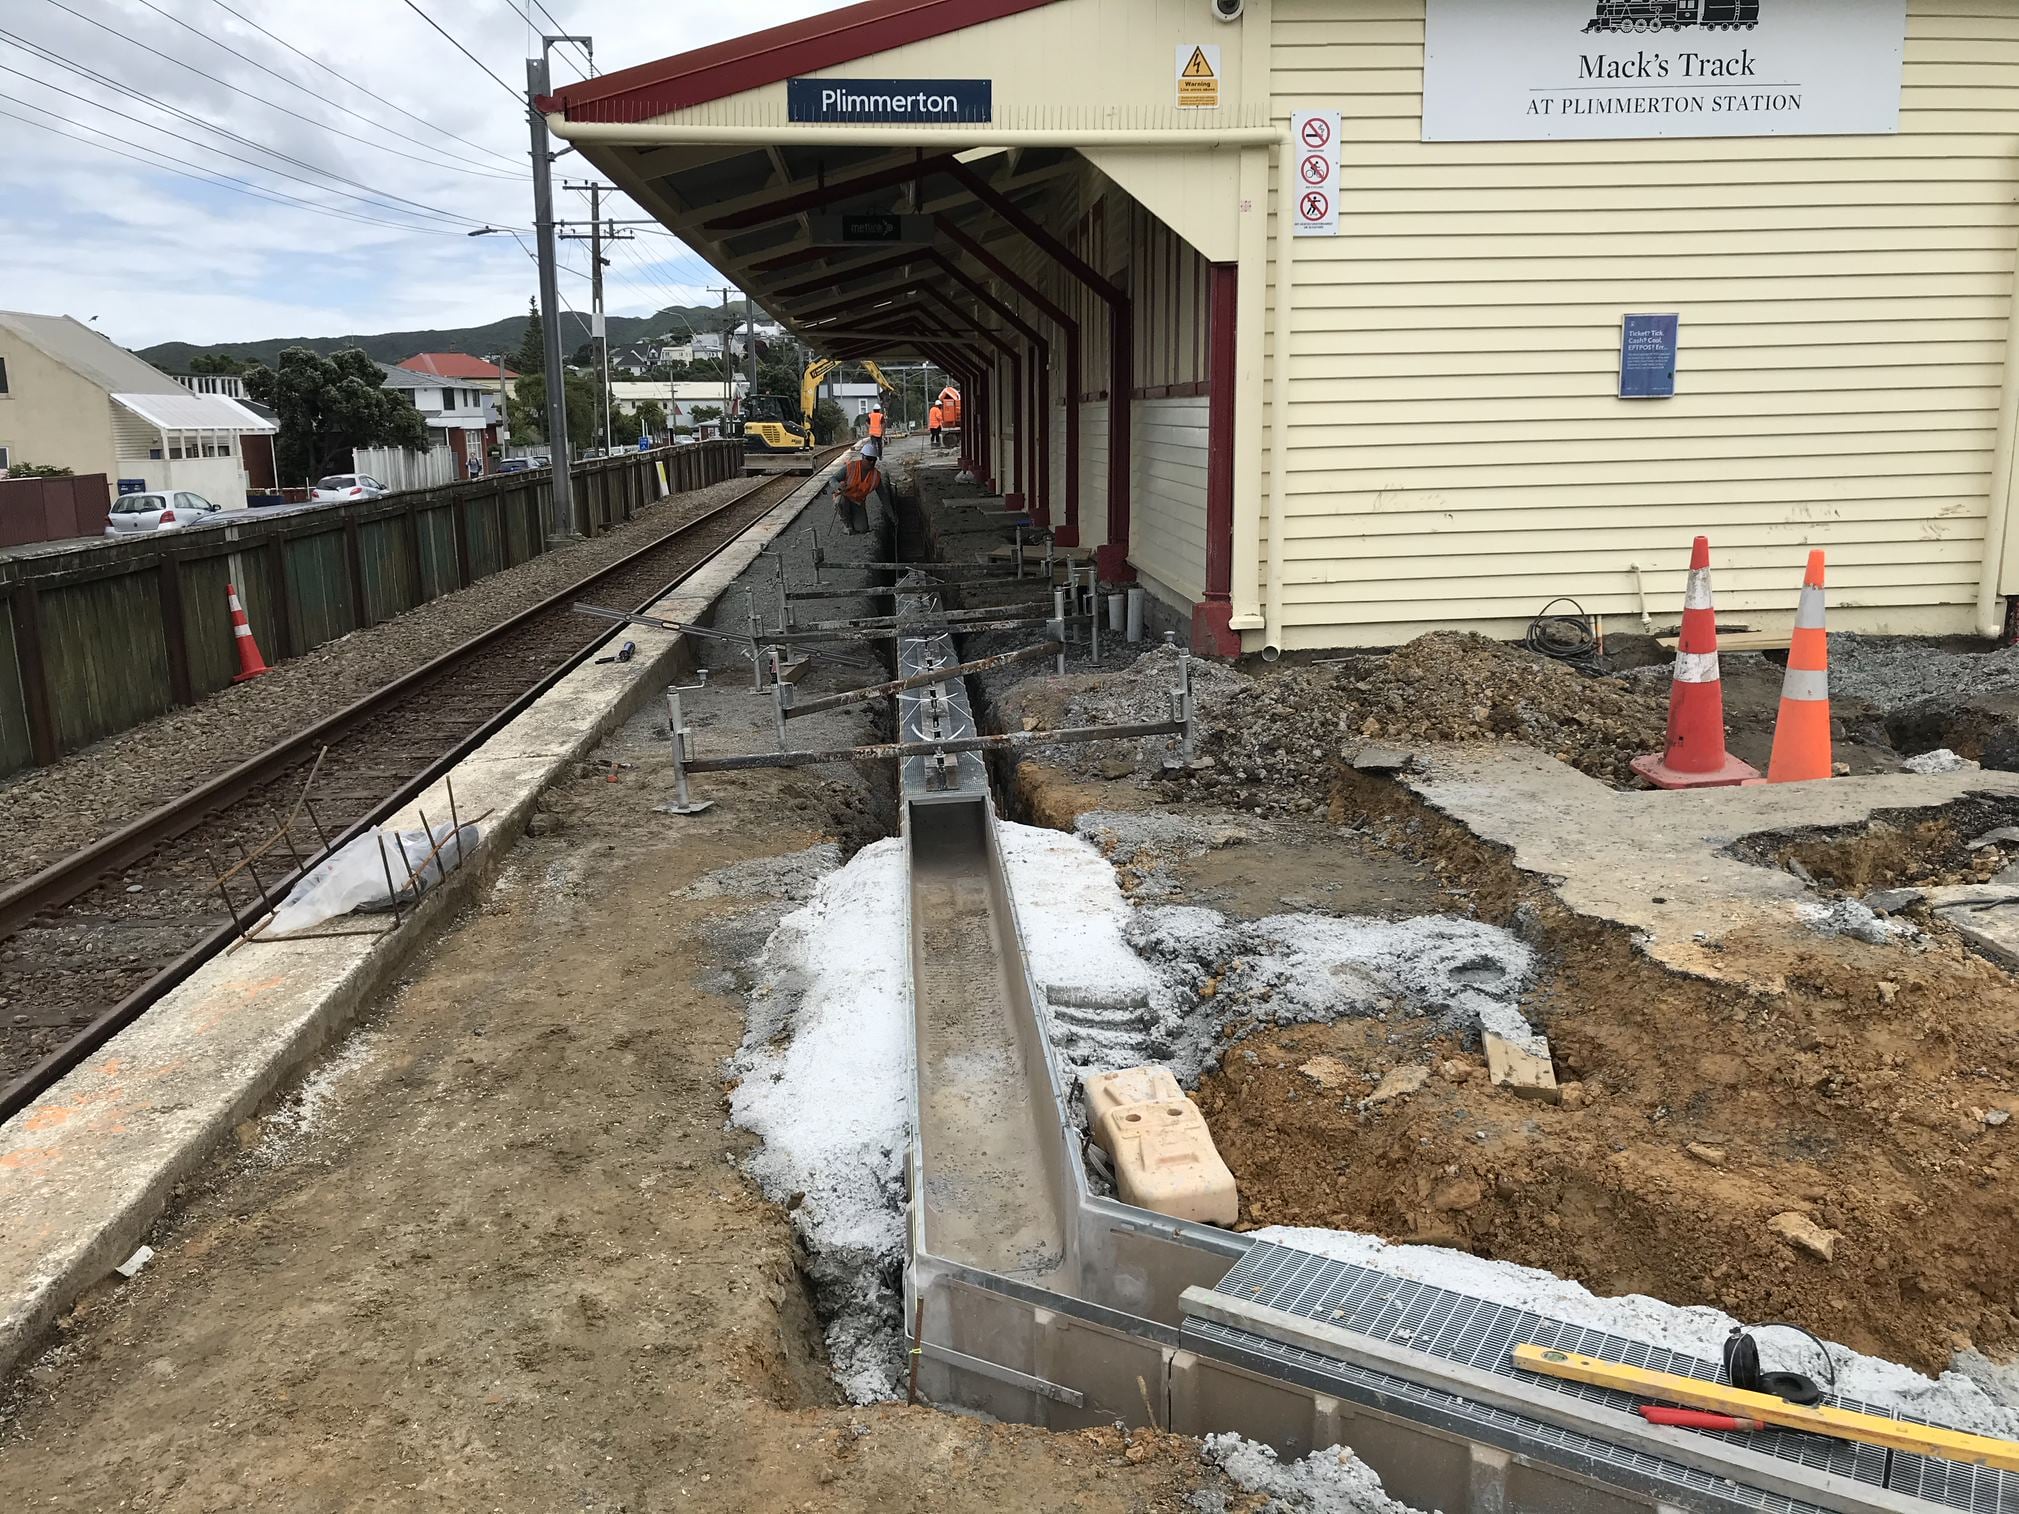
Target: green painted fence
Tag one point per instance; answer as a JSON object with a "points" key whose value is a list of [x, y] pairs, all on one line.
{"points": [[96, 638]]}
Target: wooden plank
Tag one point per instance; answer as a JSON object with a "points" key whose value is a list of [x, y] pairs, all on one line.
{"points": [[213, 655], [1817, 1419], [417, 578], [174, 636], [104, 663], [1614, 1426], [17, 709], [354, 569], [459, 521], [281, 602], [26, 617]]}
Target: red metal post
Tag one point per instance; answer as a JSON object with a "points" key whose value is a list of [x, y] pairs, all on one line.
{"points": [[1212, 633]]}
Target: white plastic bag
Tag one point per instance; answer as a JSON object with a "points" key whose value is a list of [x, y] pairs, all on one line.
{"points": [[353, 876]]}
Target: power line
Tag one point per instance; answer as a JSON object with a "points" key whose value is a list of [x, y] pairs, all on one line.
{"points": [[516, 96], [219, 181], [285, 110], [376, 203], [35, 49], [361, 89], [292, 84]]}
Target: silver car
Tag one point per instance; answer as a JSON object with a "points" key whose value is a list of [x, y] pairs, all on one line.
{"points": [[164, 510], [346, 486]]}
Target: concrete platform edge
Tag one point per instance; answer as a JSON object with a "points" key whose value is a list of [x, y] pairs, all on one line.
{"points": [[87, 1169]]}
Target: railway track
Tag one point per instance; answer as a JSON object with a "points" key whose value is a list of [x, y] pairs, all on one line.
{"points": [[87, 944]]}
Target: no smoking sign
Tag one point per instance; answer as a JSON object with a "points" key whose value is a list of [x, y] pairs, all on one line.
{"points": [[1317, 131]]}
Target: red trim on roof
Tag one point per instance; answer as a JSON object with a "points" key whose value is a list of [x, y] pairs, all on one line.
{"points": [[742, 63], [460, 365]]}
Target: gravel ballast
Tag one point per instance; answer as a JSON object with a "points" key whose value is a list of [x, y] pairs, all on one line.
{"points": [[47, 813]]}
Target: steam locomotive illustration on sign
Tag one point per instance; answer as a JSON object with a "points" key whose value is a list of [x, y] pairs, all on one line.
{"points": [[1674, 15]]}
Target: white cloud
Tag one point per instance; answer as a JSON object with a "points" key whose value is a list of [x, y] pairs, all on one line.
{"points": [[156, 257]]}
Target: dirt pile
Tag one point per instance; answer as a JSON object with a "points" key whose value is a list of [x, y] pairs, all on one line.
{"points": [[1275, 744]]}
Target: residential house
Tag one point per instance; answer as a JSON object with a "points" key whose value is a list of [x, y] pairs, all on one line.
{"points": [[679, 398], [71, 398], [459, 414], [854, 399], [262, 473], [472, 372]]}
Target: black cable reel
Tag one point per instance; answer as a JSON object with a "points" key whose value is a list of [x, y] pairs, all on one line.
{"points": [[1743, 1370]]}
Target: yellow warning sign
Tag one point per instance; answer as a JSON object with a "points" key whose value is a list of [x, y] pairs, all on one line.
{"points": [[1198, 76]]}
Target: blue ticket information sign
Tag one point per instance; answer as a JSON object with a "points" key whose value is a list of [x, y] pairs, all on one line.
{"points": [[1647, 349], [890, 100]]}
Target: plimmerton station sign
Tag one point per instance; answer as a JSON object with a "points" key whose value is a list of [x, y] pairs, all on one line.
{"points": [[1524, 70], [886, 101]]}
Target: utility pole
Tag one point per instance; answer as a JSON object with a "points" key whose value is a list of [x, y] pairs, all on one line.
{"points": [[598, 321], [562, 524], [728, 368], [749, 345]]}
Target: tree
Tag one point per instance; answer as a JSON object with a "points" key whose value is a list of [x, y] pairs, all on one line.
{"points": [[532, 356], [36, 470], [652, 418], [624, 428], [217, 363], [328, 406], [829, 424], [583, 396]]}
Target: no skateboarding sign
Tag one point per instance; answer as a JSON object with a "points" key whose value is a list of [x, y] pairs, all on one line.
{"points": [[1316, 188]]}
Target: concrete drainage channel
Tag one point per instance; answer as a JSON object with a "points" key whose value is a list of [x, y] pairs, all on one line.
{"points": [[1030, 1296]]}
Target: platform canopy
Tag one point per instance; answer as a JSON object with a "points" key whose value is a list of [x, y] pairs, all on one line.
{"points": [[844, 169]]}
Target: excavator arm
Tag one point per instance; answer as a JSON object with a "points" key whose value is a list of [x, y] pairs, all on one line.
{"points": [[877, 373], [809, 387]]}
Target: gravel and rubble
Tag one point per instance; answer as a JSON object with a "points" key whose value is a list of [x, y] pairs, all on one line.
{"points": [[1272, 742], [48, 812], [1894, 672], [1333, 1481]]}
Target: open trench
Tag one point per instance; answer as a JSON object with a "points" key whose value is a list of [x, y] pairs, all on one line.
{"points": [[1694, 1113]]}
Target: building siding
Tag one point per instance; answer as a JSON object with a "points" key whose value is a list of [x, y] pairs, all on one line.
{"points": [[1454, 450], [1168, 529]]}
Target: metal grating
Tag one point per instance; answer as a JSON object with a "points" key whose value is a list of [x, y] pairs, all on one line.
{"points": [[921, 718], [1459, 1328]]}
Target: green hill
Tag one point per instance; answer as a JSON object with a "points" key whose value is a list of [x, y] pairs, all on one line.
{"points": [[477, 341]]}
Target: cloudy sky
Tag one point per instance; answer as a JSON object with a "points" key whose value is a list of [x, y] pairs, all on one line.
{"points": [[101, 219]]}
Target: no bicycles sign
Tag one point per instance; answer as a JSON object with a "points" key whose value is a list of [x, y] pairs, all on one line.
{"points": [[1315, 189]]}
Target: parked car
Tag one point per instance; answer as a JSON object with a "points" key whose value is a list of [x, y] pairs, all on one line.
{"points": [[346, 486], [515, 465], [168, 510]]}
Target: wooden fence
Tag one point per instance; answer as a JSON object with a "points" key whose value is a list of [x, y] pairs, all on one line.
{"points": [[52, 509], [98, 638]]}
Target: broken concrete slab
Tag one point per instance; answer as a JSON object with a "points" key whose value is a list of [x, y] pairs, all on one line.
{"points": [[1658, 863], [1522, 1071], [1992, 928], [1890, 901]]}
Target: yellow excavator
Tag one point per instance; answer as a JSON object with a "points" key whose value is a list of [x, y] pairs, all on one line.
{"points": [[777, 439]]}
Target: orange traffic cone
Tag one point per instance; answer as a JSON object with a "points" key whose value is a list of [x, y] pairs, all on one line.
{"points": [[1696, 756], [250, 663], [1802, 729]]}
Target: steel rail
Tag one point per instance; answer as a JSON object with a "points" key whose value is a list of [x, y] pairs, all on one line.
{"points": [[85, 869]]}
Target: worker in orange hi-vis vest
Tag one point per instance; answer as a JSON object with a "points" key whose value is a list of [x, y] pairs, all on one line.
{"points": [[851, 488], [935, 418], [876, 422]]}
